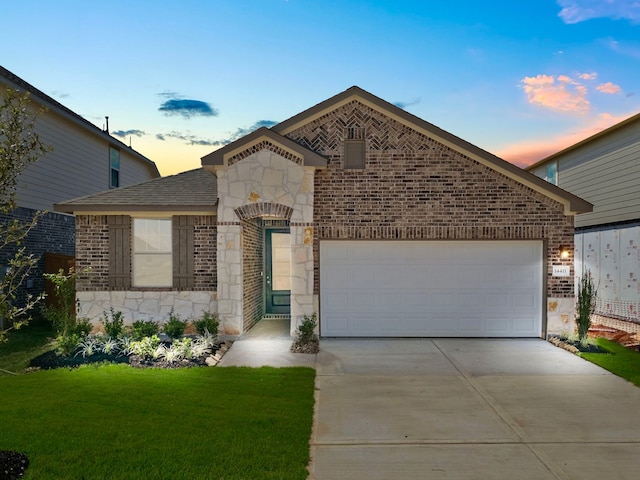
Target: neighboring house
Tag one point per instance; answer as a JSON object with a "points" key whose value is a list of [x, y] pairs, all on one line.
{"points": [[382, 223], [84, 159], [605, 170]]}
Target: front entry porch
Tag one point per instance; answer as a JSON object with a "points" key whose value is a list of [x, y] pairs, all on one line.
{"points": [[268, 343]]}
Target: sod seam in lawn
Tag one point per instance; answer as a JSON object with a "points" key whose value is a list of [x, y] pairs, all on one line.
{"points": [[117, 422]]}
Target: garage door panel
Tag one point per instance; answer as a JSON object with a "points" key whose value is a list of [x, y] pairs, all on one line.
{"points": [[431, 288]]}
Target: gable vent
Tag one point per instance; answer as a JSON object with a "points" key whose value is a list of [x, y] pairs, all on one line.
{"points": [[354, 148], [354, 133]]}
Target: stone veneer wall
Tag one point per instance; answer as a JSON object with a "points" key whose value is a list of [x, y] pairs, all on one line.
{"points": [[95, 296], [252, 266], [413, 187], [263, 181]]}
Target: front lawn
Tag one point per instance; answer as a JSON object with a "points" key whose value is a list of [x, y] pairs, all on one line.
{"points": [[118, 422], [621, 361], [25, 344]]}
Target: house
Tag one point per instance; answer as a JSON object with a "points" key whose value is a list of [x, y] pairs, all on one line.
{"points": [[605, 170], [84, 160], [382, 223]]}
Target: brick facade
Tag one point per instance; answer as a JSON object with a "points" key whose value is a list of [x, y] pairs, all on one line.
{"points": [[413, 187], [54, 233], [92, 260], [252, 266]]}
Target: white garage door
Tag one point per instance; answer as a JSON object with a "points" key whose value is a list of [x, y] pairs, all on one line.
{"points": [[431, 288]]}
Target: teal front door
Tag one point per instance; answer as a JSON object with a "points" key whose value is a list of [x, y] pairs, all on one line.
{"points": [[278, 271]]}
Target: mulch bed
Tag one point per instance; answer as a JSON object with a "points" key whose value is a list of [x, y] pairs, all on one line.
{"points": [[309, 347], [574, 346], [49, 360], [12, 464]]}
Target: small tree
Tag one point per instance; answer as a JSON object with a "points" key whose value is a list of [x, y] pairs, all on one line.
{"points": [[20, 145], [585, 306]]}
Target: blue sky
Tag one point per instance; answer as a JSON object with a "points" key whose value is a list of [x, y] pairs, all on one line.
{"points": [[178, 79]]}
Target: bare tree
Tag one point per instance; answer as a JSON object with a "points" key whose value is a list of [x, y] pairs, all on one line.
{"points": [[20, 145]]}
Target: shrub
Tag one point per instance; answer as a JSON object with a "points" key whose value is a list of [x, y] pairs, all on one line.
{"points": [[306, 329], [147, 347], [115, 326], [144, 328], [174, 327], [82, 327], [67, 344], [207, 323], [585, 306], [89, 346]]}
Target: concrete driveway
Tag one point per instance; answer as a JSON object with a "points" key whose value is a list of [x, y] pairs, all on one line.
{"points": [[470, 409]]}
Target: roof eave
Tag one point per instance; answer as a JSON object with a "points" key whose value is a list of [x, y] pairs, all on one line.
{"points": [[585, 141], [572, 204], [218, 158], [49, 103], [77, 209]]}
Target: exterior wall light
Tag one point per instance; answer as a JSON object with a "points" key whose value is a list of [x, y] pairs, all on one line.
{"points": [[564, 253]]}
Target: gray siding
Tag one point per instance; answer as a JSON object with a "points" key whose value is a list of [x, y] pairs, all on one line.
{"points": [[78, 165], [606, 174]]}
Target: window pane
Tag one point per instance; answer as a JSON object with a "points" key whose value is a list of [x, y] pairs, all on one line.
{"points": [[151, 235], [552, 173], [114, 158], [152, 256], [281, 261], [152, 270]]}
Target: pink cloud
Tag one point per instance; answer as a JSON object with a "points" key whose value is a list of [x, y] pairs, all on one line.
{"points": [[565, 95], [587, 76], [529, 152], [608, 87]]}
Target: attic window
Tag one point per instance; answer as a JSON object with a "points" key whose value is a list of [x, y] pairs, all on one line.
{"points": [[354, 148]]}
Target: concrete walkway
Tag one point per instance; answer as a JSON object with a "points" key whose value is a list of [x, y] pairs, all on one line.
{"points": [[266, 344], [459, 408]]}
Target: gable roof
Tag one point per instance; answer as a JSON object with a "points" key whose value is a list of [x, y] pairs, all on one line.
{"points": [[194, 190], [14, 81], [607, 131], [572, 203], [220, 157]]}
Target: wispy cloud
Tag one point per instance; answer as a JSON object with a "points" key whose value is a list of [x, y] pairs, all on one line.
{"points": [[588, 76], [609, 87], [628, 50], [175, 104], [191, 139], [187, 138], [404, 105], [559, 93], [242, 131], [128, 133], [576, 11], [529, 152]]}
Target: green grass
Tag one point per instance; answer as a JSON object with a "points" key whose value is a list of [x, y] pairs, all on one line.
{"points": [[23, 345], [117, 422], [621, 361]]}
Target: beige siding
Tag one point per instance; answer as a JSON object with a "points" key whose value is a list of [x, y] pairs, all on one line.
{"points": [[611, 181], [77, 166]]}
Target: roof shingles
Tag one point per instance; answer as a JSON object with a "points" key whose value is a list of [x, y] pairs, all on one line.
{"points": [[191, 190]]}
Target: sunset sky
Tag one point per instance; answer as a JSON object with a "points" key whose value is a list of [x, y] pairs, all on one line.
{"points": [[179, 79]]}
